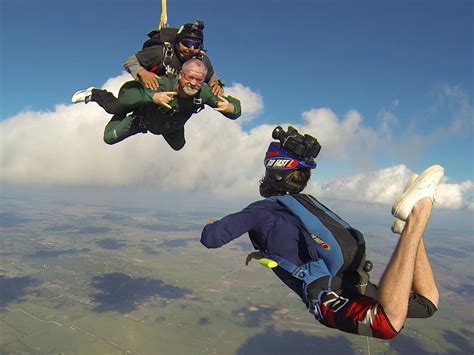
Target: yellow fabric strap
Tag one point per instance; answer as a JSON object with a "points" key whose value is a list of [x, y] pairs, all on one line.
{"points": [[164, 15]]}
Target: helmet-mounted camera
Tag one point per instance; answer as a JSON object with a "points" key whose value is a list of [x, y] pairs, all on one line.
{"points": [[193, 30], [305, 147], [198, 25]]}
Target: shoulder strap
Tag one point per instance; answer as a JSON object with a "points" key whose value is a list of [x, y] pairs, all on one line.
{"points": [[304, 206], [326, 243]]}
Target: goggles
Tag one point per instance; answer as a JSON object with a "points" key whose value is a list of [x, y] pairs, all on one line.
{"points": [[189, 42]]}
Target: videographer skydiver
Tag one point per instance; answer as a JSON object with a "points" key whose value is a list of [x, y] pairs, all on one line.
{"points": [[322, 258]]}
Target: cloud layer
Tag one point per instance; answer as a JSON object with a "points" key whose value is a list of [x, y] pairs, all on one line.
{"points": [[65, 147]]}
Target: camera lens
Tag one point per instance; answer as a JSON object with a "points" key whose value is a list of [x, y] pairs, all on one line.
{"points": [[199, 25], [277, 133]]}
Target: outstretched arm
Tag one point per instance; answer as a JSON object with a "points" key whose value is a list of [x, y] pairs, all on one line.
{"points": [[223, 231], [134, 94], [143, 64], [218, 233], [229, 106]]}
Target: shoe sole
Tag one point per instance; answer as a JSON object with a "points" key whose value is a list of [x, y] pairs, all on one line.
{"points": [[84, 99], [422, 178], [398, 225]]}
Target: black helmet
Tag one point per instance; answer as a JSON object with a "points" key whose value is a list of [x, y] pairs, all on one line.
{"points": [[279, 162], [191, 30]]}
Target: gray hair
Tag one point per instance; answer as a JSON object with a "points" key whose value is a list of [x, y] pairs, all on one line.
{"points": [[194, 62]]}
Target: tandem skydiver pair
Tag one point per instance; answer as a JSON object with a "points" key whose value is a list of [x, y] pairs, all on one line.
{"points": [[174, 80]]}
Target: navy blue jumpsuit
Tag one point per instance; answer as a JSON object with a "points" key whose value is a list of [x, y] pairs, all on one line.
{"points": [[273, 228]]}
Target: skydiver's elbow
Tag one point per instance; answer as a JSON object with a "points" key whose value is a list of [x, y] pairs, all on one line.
{"points": [[109, 140], [209, 243]]}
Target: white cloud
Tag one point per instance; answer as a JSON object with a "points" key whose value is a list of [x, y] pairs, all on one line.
{"points": [[251, 102], [462, 112], [65, 147], [342, 139], [386, 185]]}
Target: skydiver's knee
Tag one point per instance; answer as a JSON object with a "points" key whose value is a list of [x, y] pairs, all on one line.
{"points": [[110, 140], [387, 335], [421, 307], [396, 322], [387, 326], [431, 309], [177, 147]]}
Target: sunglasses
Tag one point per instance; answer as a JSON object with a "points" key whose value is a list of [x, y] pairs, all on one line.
{"points": [[190, 77], [189, 42]]}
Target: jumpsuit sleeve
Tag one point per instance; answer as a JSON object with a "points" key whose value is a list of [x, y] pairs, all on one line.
{"points": [[132, 65], [149, 58], [223, 231], [133, 94], [211, 100], [211, 75]]}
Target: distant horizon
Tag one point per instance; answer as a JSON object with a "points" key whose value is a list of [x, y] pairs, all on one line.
{"points": [[445, 221]]}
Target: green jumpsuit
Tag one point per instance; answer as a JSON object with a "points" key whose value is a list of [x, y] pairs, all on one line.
{"points": [[145, 115]]}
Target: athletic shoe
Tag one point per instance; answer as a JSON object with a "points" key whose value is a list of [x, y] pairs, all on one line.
{"points": [[423, 186], [398, 225], [82, 96]]}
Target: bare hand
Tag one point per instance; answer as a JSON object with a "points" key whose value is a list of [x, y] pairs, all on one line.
{"points": [[149, 79], [210, 221], [217, 89], [224, 106], [253, 255], [163, 98]]}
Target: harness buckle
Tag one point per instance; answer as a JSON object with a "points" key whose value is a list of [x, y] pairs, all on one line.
{"points": [[299, 274], [168, 53]]}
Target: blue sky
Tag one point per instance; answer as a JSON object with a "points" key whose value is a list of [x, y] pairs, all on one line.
{"points": [[408, 63]]}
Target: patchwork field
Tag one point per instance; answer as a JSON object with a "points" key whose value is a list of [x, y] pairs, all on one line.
{"points": [[101, 280]]}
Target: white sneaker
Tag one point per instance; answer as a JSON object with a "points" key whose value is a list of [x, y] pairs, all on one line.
{"points": [[398, 225], [423, 186], [82, 96]]}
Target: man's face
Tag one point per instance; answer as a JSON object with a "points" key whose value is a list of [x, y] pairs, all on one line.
{"points": [[189, 47], [191, 80]]}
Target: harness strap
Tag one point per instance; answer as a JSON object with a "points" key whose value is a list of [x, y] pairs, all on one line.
{"points": [[167, 53], [301, 206], [315, 227], [308, 273]]}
